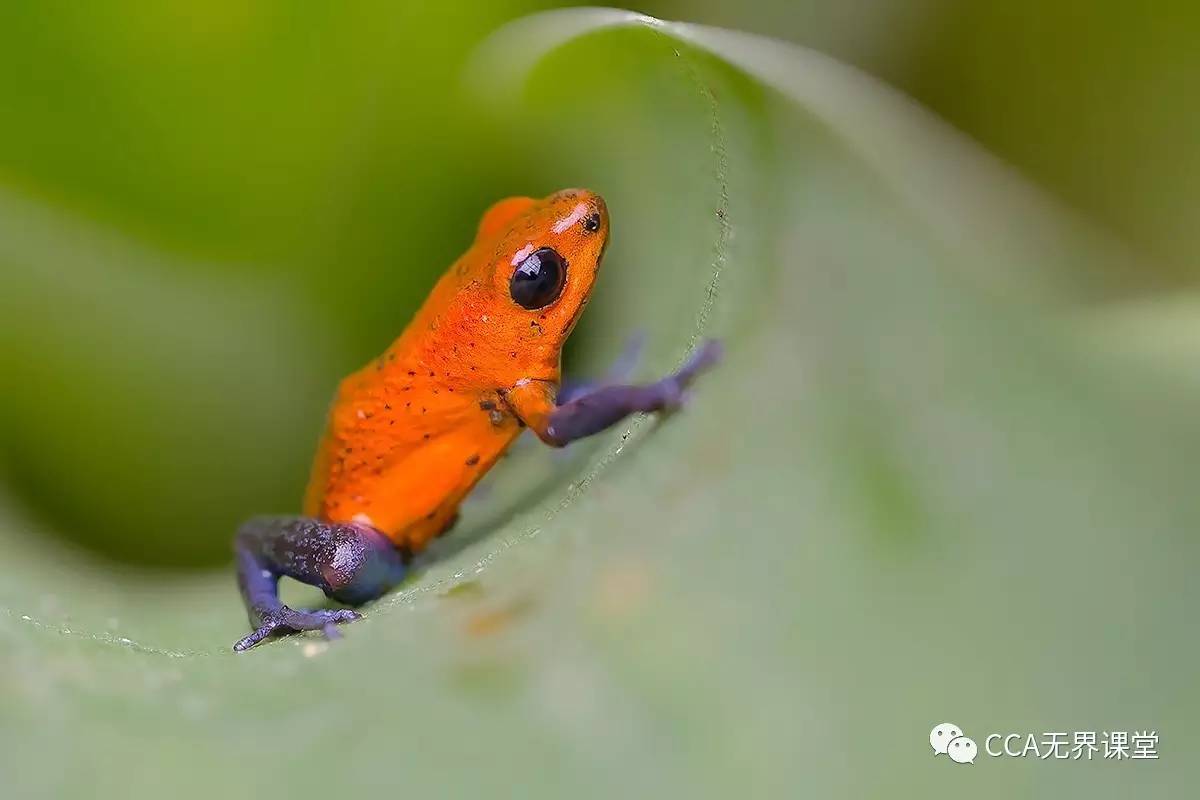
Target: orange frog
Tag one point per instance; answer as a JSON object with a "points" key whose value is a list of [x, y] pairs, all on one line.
{"points": [[412, 432]]}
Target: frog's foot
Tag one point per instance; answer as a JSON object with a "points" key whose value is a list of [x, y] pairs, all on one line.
{"points": [[288, 620], [351, 562], [675, 387], [707, 355]]}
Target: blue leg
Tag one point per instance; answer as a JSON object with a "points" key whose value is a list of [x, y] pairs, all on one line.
{"points": [[619, 372], [600, 408], [351, 563]]}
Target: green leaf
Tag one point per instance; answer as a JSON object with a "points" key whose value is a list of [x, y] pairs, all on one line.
{"points": [[909, 495]]}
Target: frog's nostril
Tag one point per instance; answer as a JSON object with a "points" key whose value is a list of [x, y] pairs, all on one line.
{"points": [[596, 214]]}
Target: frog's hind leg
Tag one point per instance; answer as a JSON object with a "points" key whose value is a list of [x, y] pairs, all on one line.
{"points": [[352, 563]]}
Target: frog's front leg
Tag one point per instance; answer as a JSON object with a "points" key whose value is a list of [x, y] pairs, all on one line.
{"points": [[351, 562], [618, 372], [590, 413]]}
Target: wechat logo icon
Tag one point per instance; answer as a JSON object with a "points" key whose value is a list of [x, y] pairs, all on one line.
{"points": [[947, 739]]}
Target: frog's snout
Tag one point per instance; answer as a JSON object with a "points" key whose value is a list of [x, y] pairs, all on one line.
{"points": [[572, 197], [597, 214], [597, 204], [578, 207]]}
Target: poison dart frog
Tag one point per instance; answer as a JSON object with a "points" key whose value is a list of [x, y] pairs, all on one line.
{"points": [[413, 431]]}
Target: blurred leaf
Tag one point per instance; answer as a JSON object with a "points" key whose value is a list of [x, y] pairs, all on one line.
{"points": [[1090, 104], [137, 382], [906, 497]]}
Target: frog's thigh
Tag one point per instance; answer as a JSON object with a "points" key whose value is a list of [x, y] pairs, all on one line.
{"points": [[350, 562], [424, 488]]}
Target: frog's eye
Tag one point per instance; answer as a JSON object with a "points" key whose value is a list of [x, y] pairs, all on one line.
{"points": [[539, 279]]}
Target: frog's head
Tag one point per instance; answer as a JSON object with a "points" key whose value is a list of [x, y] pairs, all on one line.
{"points": [[548, 253], [542, 260]]}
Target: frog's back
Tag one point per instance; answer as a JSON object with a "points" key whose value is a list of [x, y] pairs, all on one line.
{"points": [[403, 445], [411, 433]]}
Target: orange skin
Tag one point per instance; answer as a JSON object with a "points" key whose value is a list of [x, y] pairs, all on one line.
{"points": [[413, 431]]}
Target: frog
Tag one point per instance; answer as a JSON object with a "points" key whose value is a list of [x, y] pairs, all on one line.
{"points": [[411, 433]]}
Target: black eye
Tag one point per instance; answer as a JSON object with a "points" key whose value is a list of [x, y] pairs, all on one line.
{"points": [[539, 279]]}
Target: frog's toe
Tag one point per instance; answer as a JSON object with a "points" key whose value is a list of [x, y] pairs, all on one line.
{"points": [[680, 400], [288, 620], [707, 356], [672, 396]]}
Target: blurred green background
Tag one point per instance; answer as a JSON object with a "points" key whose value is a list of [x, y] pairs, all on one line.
{"points": [[296, 175], [209, 212]]}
